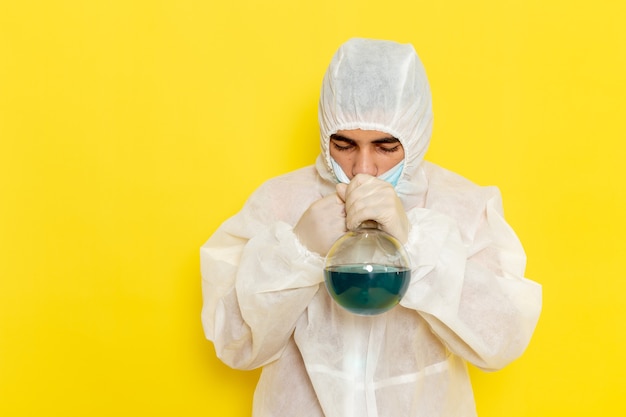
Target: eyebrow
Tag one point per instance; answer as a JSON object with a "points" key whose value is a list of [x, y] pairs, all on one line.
{"points": [[350, 141]]}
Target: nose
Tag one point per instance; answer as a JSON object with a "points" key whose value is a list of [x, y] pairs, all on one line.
{"points": [[364, 163]]}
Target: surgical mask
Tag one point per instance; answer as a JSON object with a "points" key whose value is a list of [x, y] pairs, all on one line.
{"points": [[339, 174], [392, 176]]}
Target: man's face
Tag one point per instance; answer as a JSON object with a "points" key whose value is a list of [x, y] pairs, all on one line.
{"points": [[365, 151]]}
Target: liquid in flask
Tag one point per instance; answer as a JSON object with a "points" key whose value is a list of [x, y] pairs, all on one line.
{"points": [[367, 271]]}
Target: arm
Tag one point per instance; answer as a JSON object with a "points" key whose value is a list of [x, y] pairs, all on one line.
{"points": [[471, 290], [257, 279]]}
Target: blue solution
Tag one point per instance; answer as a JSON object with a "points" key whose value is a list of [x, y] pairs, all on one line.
{"points": [[367, 289]]}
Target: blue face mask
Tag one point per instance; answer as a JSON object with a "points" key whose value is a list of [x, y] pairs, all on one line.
{"points": [[392, 176]]}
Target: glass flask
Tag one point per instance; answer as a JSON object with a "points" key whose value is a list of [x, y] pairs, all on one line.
{"points": [[367, 271]]}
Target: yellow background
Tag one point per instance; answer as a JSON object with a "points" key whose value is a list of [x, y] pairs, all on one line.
{"points": [[129, 130]]}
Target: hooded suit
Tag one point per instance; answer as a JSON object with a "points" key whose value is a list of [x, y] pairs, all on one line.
{"points": [[265, 304]]}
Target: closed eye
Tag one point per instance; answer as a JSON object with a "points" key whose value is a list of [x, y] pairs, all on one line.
{"points": [[342, 144], [384, 143], [390, 150]]}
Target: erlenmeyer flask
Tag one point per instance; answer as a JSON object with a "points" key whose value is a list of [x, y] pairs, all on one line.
{"points": [[367, 270]]}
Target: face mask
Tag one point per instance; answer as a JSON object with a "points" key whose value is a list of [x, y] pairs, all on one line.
{"points": [[392, 176], [339, 174]]}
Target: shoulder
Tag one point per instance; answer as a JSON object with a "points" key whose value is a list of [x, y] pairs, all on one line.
{"points": [[300, 182], [457, 196], [286, 196], [443, 182]]}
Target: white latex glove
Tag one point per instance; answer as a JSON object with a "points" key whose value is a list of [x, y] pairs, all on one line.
{"points": [[370, 198], [322, 224]]}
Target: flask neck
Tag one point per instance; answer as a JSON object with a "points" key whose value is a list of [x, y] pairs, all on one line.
{"points": [[369, 224]]}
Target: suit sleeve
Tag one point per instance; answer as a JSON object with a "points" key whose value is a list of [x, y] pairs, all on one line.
{"points": [[470, 287], [257, 279]]}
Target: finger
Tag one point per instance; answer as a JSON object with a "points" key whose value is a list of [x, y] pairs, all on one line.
{"points": [[366, 192], [341, 191], [357, 188], [359, 180]]}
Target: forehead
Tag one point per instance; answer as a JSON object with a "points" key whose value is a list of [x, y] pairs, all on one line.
{"points": [[359, 135]]}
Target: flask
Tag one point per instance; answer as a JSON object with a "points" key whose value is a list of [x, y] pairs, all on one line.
{"points": [[367, 271]]}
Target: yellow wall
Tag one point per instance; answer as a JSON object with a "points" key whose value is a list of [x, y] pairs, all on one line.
{"points": [[129, 130]]}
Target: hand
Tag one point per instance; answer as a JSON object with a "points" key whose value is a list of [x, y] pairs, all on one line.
{"points": [[370, 198], [322, 224]]}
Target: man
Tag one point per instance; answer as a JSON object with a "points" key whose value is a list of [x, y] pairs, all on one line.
{"points": [[468, 301]]}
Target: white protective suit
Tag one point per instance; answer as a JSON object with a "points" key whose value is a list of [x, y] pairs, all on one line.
{"points": [[265, 304]]}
